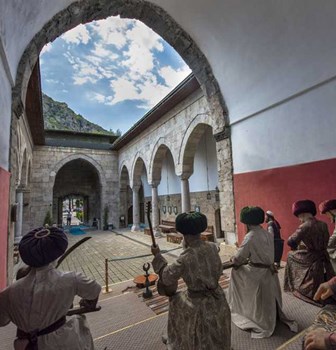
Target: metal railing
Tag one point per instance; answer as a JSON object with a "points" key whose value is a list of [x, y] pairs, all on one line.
{"points": [[128, 258]]}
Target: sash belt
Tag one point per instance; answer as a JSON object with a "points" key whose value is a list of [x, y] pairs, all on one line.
{"points": [[32, 336], [264, 266]]}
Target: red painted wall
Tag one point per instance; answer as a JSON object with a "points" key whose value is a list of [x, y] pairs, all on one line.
{"points": [[4, 201], [276, 190]]}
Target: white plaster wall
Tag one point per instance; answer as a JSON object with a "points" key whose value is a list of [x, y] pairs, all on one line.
{"points": [[168, 177], [20, 21], [261, 51], [198, 180], [299, 131], [5, 117], [146, 188]]}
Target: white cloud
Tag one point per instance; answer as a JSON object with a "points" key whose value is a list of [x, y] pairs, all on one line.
{"points": [[123, 89], [100, 98], [102, 50], [140, 60], [124, 58], [173, 77], [112, 30], [85, 72], [78, 35], [145, 37], [46, 48]]}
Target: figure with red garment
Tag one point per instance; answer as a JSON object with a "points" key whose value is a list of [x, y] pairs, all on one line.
{"points": [[307, 266], [328, 208]]}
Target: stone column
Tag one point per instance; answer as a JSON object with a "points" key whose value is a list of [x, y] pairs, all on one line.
{"points": [[123, 205], [18, 224], [185, 194], [225, 185], [155, 210], [136, 208]]}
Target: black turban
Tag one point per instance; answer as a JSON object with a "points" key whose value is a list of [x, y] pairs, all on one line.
{"points": [[304, 206], [252, 216], [327, 205], [192, 223], [41, 246]]}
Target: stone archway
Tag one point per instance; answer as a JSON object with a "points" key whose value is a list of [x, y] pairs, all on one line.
{"points": [[163, 24], [77, 178], [138, 183], [126, 207], [150, 14], [159, 153]]}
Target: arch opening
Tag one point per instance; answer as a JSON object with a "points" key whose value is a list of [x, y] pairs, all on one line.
{"points": [[77, 190]]}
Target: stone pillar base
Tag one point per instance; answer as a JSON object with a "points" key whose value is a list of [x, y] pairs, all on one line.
{"points": [[135, 227], [157, 234], [230, 237]]}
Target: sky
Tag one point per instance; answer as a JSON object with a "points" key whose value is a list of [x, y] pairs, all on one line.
{"points": [[110, 71]]}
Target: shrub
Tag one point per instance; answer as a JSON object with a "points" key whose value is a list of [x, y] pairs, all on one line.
{"points": [[47, 219]]}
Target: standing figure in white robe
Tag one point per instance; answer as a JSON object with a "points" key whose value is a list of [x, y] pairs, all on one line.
{"points": [[328, 208], [254, 292], [37, 303]]}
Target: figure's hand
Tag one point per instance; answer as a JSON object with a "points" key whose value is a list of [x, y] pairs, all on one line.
{"points": [[315, 340], [88, 304], [324, 292], [155, 250]]}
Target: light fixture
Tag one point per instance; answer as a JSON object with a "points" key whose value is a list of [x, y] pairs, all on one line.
{"points": [[217, 194], [164, 208], [175, 210], [169, 209]]}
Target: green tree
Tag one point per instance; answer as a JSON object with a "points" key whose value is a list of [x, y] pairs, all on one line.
{"points": [[47, 219]]}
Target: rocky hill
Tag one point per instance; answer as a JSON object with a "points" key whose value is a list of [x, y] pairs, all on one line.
{"points": [[58, 116]]}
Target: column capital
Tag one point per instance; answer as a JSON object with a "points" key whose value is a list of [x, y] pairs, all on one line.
{"points": [[185, 176], [136, 186], [155, 183]]}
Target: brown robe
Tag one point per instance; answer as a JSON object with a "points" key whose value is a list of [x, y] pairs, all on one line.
{"points": [[199, 318], [307, 268]]}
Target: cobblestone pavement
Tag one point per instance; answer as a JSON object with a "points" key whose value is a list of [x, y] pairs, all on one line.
{"points": [[90, 257]]}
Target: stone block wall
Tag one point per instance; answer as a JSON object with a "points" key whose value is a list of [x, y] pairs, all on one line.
{"points": [[49, 160]]}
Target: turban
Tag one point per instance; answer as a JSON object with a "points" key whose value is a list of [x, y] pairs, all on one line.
{"points": [[269, 213], [304, 206], [327, 206], [252, 216], [41, 246], [191, 223]]}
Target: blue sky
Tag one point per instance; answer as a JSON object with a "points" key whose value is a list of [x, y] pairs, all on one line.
{"points": [[110, 71]]}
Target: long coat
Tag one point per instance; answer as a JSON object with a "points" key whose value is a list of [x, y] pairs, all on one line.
{"points": [[254, 292], [199, 318], [307, 268], [43, 297]]}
